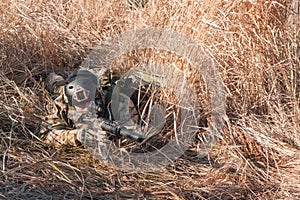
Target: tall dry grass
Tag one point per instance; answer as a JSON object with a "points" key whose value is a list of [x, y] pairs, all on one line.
{"points": [[255, 45]]}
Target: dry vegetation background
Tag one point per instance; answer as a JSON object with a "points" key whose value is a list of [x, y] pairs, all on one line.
{"points": [[256, 48]]}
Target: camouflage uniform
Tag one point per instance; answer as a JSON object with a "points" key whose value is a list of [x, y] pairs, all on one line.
{"points": [[59, 128]]}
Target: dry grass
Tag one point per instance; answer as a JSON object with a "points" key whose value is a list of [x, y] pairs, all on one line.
{"points": [[256, 49]]}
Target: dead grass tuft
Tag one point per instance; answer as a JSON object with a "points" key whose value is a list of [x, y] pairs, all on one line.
{"points": [[256, 47]]}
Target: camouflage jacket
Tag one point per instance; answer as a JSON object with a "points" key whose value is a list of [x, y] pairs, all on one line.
{"points": [[59, 127]]}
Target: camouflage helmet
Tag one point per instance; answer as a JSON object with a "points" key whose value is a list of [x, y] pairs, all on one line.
{"points": [[80, 88]]}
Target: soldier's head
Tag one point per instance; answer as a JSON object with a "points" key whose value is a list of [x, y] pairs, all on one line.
{"points": [[80, 88]]}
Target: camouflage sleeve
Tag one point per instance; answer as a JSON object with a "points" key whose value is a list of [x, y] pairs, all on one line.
{"points": [[63, 137], [57, 129]]}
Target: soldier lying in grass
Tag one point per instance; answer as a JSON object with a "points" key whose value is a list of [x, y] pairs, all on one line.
{"points": [[83, 111]]}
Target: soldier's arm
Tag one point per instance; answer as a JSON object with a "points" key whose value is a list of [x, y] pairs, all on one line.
{"points": [[61, 137], [57, 129]]}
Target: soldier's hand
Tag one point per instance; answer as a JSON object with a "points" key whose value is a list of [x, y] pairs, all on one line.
{"points": [[94, 140]]}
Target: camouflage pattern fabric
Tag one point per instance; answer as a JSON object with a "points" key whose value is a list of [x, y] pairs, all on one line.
{"points": [[59, 128]]}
